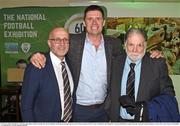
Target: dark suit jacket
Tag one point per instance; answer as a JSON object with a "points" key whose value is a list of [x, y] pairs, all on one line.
{"points": [[40, 94], [74, 56], [154, 80]]}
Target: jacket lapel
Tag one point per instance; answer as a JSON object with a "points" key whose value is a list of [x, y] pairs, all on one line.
{"points": [[78, 55], [108, 52], [144, 78], [52, 76], [122, 64], [51, 71]]}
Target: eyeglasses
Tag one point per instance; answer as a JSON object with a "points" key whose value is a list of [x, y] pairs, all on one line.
{"points": [[59, 40]]}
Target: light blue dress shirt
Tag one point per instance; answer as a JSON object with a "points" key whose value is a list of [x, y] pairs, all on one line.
{"points": [[92, 87], [137, 69]]}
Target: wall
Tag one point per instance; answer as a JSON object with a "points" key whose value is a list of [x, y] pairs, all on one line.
{"points": [[139, 9]]}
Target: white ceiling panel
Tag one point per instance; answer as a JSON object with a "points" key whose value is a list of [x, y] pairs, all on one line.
{"points": [[163, 1]]}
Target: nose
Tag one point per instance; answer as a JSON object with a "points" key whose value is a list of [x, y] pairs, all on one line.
{"points": [[134, 49], [61, 41], [94, 21]]}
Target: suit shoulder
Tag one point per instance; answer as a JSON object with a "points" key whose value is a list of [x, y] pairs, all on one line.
{"points": [[158, 60], [107, 37], [32, 69], [76, 36], [156, 63], [155, 60]]}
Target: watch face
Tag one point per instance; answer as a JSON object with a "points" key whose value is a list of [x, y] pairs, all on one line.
{"points": [[75, 24]]}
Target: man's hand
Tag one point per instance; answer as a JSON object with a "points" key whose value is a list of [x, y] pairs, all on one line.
{"points": [[156, 54], [38, 60]]}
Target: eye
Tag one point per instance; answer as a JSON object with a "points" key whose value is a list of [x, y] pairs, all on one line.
{"points": [[130, 44], [99, 18], [89, 19], [140, 45]]}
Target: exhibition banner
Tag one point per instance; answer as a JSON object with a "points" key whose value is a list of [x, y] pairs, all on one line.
{"points": [[24, 30]]}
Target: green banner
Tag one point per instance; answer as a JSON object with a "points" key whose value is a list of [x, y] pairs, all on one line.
{"points": [[24, 30]]}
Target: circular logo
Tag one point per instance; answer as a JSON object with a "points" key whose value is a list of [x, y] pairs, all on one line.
{"points": [[75, 24]]}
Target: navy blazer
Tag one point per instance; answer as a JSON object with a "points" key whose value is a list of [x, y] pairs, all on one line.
{"points": [[163, 108], [40, 94]]}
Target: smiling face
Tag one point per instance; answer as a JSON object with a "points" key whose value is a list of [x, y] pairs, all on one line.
{"points": [[58, 42], [135, 46], [94, 22]]}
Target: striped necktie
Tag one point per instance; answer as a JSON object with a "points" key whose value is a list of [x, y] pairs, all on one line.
{"points": [[131, 81], [67, 95]]}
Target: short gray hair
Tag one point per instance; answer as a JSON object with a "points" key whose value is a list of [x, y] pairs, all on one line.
{"points": [[135, 30]]}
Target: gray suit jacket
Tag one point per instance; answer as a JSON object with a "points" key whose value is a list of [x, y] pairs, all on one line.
{"points": [[154, 80], [74, 56]]}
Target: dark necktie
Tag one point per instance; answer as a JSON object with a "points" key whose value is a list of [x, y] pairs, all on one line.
{"points": [[67, 95], [131, 81]]}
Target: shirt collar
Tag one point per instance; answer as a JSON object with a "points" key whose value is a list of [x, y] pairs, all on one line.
{"points": [[55, 59], [87, 40], [137, 62]]}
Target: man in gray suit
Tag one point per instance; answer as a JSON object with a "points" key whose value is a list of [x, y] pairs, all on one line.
{"points": [[150, 80], [89, 59]]}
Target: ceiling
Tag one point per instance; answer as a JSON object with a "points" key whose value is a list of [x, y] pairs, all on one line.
{"points": [[122, 1], [14, 3]]}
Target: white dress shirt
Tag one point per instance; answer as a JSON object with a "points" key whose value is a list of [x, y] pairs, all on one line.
{"points": [[56, 62]]}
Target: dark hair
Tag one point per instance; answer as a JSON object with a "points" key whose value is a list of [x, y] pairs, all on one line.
{"points": [[93, 8], [135, 30], [21, 61]]}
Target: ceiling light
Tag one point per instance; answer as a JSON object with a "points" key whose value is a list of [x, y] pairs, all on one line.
{"points": [[94, 1]]}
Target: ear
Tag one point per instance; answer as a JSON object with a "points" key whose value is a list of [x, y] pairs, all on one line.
{"points": [[49, 43], [125, 45], [84, 24], [145, 45], [104, 22]]}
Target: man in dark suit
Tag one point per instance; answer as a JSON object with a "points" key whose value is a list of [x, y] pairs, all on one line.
{"points": [[89, 59], [43, 90], [150, 80]]}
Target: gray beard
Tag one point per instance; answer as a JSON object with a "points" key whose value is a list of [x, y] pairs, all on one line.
{"points": [[134, 59]]}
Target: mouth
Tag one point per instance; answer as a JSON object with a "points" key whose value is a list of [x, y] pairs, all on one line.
{"points": [[94, 27], [134, 54], [61, 48]]}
